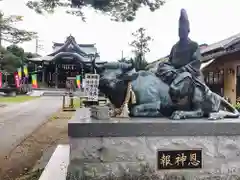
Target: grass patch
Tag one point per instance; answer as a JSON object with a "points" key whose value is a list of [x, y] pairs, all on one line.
{"points": [[32, 175], [76, 102], [16, 99], [62, 115]]}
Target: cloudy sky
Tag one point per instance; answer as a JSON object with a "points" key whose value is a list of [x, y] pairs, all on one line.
{"points": [[210, 21]]}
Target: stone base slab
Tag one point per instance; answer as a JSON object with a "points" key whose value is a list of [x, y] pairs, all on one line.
{"points": [[99, 148], [99, 157]]}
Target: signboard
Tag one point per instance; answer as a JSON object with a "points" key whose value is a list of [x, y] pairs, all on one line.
{"points": [[91, 86], [179, 159]]}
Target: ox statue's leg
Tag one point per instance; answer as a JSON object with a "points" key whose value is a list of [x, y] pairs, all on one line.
{"points": [[196, 112], [147, 110], [176, 115]]}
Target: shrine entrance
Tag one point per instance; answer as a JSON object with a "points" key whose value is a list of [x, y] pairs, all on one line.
{"points": [[66, 71], [58, 71]]}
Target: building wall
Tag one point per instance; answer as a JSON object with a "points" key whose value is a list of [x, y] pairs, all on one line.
{"points": [[229, 64]]}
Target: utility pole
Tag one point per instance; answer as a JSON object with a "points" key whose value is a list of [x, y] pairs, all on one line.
{"points": [[38, 46], [122, 54], [36, 50], [1, 21], [1, 56]]}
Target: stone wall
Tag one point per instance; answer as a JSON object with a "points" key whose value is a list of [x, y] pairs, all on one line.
{"points": [[94, 157]]}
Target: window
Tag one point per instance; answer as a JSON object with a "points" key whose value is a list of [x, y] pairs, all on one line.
{"points": [[216, 77], [210, 77]]}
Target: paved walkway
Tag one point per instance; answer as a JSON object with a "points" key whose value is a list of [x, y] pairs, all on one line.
{"points": [[18, 121]]}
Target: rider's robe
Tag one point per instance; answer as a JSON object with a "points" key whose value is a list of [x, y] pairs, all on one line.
{"points": [[183, 58]]}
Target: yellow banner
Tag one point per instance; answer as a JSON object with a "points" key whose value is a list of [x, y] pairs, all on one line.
{"points": [[25, 70]]}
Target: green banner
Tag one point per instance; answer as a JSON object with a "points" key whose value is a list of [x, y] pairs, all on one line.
{"points": [[34, 81], [78, 81], [78, 77]]}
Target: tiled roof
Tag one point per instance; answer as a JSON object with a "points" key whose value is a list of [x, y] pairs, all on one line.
{"points": [[81, 45], [220, 49], [223, 44], [50, 58]]}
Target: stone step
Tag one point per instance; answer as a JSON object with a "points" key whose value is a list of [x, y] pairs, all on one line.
{"points": [[61, 93], [53, 93]]}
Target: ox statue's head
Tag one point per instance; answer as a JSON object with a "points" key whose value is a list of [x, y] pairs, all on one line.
{"points": [[113, 80]]}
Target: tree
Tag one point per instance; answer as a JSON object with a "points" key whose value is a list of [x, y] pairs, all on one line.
{"points": [[8, 61], [9, 33], [139, 63], [13, 57], [120, 10], [125, 60], [16, 50], [140, 48]]}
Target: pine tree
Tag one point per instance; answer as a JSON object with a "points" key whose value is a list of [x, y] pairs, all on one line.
{"points": [[11, 34], [119, 10], [140, 48]]}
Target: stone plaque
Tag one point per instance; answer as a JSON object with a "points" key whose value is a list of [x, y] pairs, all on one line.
{"points": [[91, 86], [179, 159]]}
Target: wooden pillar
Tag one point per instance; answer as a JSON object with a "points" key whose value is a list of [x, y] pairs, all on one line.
{"points": [[56, 76], [43, 73], [230, 80], [82, 72]]}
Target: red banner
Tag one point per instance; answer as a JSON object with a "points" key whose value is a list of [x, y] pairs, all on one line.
{"points": [[17, 80], [0, 79]]}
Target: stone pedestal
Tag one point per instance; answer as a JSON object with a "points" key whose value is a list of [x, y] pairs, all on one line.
{"points": [[114, 147]]}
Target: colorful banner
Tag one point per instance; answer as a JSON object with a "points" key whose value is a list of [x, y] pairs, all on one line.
{"points": [[25, 70], [78, 81], [34, 81], [17, 80], [19, 73], [0, 79]]}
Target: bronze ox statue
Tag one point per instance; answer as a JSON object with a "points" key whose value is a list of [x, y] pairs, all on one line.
{"points": [[154, 98]]}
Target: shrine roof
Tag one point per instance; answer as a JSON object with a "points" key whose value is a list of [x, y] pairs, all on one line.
{"points": [[51, 58], [70, 47], [221, 45], [81, 45]]}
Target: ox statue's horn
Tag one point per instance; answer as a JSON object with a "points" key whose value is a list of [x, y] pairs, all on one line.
{"points": [[98, 68]]}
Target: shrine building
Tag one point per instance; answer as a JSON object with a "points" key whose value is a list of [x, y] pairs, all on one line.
{"points": [[65, 62], [220, 67]]}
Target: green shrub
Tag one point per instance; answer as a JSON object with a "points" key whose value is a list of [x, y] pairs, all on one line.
{"points": [[237, 106]]}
